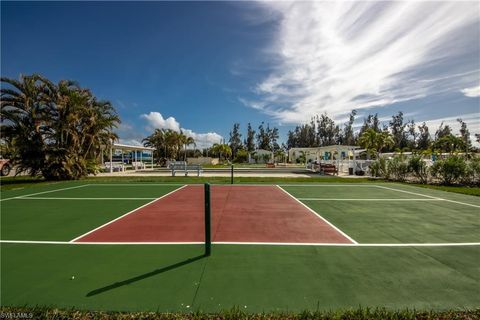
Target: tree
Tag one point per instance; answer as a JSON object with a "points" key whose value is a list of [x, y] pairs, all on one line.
{"points": [[424, 139], [235, 139], [375, 142], [280, 155], [328, 132], [368, 140], [443, 131], [273, 137], [222, 150], [384, 141], [465, 135], [370, 122], [57, 130], [348, 134], [168, 143], [250, 140], [157, 140], [450, 144], [263, 138], [412, 135], [397, 128], [22, 114]]}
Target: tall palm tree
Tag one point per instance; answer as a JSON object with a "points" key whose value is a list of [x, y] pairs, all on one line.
{"points": [[187, 141]]}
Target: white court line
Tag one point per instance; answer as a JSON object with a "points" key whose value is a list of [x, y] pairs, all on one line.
{"points": [[315, 213], [130, 212], [424, 195], [445, 244], [43, 192], [93, 243], [57, 198], [329, 185], [359, 199], [135, 184]]}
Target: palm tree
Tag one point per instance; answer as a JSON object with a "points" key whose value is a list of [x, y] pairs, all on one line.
{"points": [[22, 115], [384, 140], [222, 150], [157, 140], [57, 129], [375, 141], [368, 140], [187, 141]]}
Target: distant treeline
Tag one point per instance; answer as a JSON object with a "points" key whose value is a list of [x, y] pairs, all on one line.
{"points": [[407, 136]]}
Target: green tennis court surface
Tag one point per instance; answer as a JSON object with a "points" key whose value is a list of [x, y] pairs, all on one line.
{"points": [[414, 248]]}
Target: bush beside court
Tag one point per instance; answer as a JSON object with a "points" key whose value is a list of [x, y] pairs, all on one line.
{"points": [[454, 170]]}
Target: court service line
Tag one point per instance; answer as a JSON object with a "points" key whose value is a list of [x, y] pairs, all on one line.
{"points": [[359, 199], [438, 244], [126, 214], [315, 213], [43, 192], [424, 195]]}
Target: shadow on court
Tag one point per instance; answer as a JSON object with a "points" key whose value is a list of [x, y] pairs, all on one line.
{"points": [[144, 276]]}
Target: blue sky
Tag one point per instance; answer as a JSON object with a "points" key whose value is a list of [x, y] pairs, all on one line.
{"points": [[201, 66]]}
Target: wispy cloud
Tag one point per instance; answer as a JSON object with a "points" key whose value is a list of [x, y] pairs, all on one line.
{"points": [[471, 119], [155, 120], [337, 56]]}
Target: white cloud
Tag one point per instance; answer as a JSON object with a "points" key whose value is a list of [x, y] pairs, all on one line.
{"points": [[339, 56], [155, 120], [203, 140], [472, 92]]}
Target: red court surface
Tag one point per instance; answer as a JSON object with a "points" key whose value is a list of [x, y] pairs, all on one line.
{"points": [[239, 214]]}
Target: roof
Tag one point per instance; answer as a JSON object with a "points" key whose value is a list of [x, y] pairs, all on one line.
{"points": [[130, 147]]}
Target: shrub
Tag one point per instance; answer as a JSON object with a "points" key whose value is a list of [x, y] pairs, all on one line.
{"points": [[472, 172], [450, 170], [378, 168], [241, 157], [418, 168], [397, 168]]}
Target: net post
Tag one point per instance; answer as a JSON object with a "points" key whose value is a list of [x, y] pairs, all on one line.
{"points": [[208, 240], [231, 174]]}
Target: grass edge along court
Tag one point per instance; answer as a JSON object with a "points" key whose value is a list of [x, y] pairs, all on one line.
{"points": [[433, 272]]}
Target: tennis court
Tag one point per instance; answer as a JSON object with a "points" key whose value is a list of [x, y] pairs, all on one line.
{"points": [[139, 246]]}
